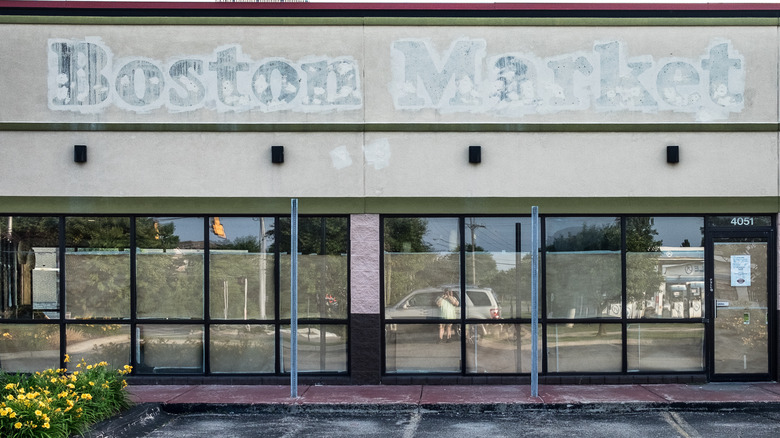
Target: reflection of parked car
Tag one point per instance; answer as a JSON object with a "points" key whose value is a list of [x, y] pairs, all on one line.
{"points": [[480, 303]]}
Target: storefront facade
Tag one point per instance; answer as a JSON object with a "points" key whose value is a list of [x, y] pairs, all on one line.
{"points": [[145, 203]]}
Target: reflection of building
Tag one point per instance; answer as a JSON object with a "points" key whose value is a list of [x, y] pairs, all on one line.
{"points": [[417, 139], [683, 271]]}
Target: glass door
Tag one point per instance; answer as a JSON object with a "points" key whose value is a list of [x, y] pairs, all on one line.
{"points": [[740, 286]]}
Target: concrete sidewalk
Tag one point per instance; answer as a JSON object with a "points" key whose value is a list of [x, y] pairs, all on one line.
{"points": [[158, 405], [439, 397]]}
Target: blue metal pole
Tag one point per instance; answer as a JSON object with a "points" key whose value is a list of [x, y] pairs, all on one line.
{"points": [[294, 298], [534, 301]]}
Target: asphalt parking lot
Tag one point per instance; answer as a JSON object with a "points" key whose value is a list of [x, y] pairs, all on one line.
{"points": [[582, 423]]}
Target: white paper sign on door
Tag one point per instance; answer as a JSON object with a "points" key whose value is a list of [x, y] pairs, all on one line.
{"points": [[740, 270]]}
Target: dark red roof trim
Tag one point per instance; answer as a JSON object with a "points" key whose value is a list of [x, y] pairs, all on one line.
{"points": [[388, 9]]}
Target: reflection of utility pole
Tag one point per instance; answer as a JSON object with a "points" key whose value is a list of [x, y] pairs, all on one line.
{"points": [[472, 226], [517, 302], [263, 267]]}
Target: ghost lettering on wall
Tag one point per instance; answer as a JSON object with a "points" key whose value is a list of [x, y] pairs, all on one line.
{"points": [[85, 77], [464, 78]]}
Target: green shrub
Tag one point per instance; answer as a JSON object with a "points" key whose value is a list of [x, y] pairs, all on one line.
{"points": [[55, 403]]}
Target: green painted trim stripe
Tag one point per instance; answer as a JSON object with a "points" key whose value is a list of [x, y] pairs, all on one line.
{"points": [[389, 127], [595, 205], [389, 21], [10, 205]]}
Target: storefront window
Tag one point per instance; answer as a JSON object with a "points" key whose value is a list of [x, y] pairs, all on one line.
{"points": [[170, 348], [29, 347], [99, 343], [242, 348], [422, 348], [499, 348], [583, 267], [29, 267], [97, 267], [588, 291], [169, 267], [584, 348], [422, 264], [241, 268], [665, 347], [664, 267], [498, 267], [323, 269], [135, 290], [321, 348]]}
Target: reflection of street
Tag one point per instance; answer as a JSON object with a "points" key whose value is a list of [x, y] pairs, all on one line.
{"points": [[416, 348], [30, 361], [318, 349], [665, 347], [740, 340], [490, 348]]}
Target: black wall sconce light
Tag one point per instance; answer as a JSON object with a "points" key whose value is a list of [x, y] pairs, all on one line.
{"points": [[80, 153], [475, 154], [673, 154], [277, 154]]}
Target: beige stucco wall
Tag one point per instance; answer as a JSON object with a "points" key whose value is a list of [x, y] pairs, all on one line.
{"points": [[577, 165], [383, 164], [27, 81], [377, 147]]}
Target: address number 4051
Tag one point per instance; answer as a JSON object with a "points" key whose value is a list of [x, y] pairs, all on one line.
{"points": [[742, 221]]}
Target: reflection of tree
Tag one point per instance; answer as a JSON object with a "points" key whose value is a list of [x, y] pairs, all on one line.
{"points": [[98, 285], [97, 233], [410, 261], [643, 278], [97, 266], [153, 234], [170, 286], [406, 235], [482, 267], [406, 253], [585, 274], [322, 266]]}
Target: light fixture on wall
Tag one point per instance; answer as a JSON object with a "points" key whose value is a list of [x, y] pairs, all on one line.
{"points": [[80, 153], [673, 154], [475, 154], [277, 154]]}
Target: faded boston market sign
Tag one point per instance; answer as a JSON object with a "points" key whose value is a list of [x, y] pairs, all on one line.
{"points": [[85, 77], [466, 78]]}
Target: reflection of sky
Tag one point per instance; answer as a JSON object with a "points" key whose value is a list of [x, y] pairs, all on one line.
{"points": [[491, 234], [191, 228], [674, 230], [494, 234], [563, 226], [497, 234]]}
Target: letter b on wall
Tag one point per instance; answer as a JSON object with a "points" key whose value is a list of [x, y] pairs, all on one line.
{"points": [[76, 75]]}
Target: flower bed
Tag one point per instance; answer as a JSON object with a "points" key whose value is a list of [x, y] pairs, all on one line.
{"points": [[55, 403]]}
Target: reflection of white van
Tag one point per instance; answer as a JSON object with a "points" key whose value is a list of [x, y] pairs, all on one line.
{"points": [[480, 303]]}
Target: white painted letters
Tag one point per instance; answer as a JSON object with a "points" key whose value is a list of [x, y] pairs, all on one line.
{"points": [[84, 77], [606, 79]]}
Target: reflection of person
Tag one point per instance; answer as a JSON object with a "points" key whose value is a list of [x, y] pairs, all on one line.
{"points": [[448, 308]]}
